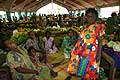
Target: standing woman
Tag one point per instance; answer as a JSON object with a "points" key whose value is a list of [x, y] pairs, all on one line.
{"points": [[84, 57]]}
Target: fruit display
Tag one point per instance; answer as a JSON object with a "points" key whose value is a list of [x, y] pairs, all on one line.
{"points": [[19, 38]]}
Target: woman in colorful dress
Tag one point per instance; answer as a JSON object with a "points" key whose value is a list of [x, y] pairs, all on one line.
{"points": [[84, 57], [68, 43]]}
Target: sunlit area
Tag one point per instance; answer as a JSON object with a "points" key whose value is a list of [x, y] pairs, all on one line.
{"points": [[107, 11], [52, 8], [2, 14], [55, 9]]}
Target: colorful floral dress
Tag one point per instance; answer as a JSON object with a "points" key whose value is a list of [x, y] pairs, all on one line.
{"points": [[83, 59], [15, 59], [68, 45]]}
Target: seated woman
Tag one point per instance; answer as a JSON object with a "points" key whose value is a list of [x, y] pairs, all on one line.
{"points": [[85, 58], [39, 59], [49, 43], [19, 63], [34, 41], [35, 57], [68, 43]]}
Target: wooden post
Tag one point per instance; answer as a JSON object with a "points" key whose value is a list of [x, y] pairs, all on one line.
{"points": [[8, 15], [19, 14]]}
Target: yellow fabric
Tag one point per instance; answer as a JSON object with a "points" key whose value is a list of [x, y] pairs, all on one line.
{"points": [[56, 57]]}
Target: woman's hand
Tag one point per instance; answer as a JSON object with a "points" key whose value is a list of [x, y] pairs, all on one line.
{"points": [[36, 72]]}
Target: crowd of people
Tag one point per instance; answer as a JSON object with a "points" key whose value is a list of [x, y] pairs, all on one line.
{"points": [[30, 57], [29, 60]]}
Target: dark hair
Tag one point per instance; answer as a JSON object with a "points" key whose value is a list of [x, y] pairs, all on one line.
{"points": [[82, 15], [30, 48], [92, 10], [47, 33], [113, 14], [2, 44], [119, 14], [42, 56], [70, 30], [32, 32]]}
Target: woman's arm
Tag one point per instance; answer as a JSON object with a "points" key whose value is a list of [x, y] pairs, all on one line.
{"points": [[52, 44], [98, 57], [26, 70], [28, 43], [101, 30]]}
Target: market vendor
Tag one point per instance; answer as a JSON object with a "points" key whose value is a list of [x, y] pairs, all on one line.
{"points": [[84, 56]]}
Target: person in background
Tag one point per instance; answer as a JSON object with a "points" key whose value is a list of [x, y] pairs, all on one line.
{"points": [[75, 36], [21, 18], [3, 52], [40, 61], [68, 43], [117, 33], [60, 20], [1, 24], [81, 20], [19, 62], [34, 41], [4, 22], [111, 24], [18, 31], [112, 19], [49, 46], [118, 18], [85, 56]]}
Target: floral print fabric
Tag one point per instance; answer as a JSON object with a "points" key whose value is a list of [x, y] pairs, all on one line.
{"points": [[83, 59], [15, 60], [68, 45]]}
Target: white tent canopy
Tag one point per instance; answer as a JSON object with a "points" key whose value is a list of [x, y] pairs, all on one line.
{"points": [[107, 11], [52, 8]]}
